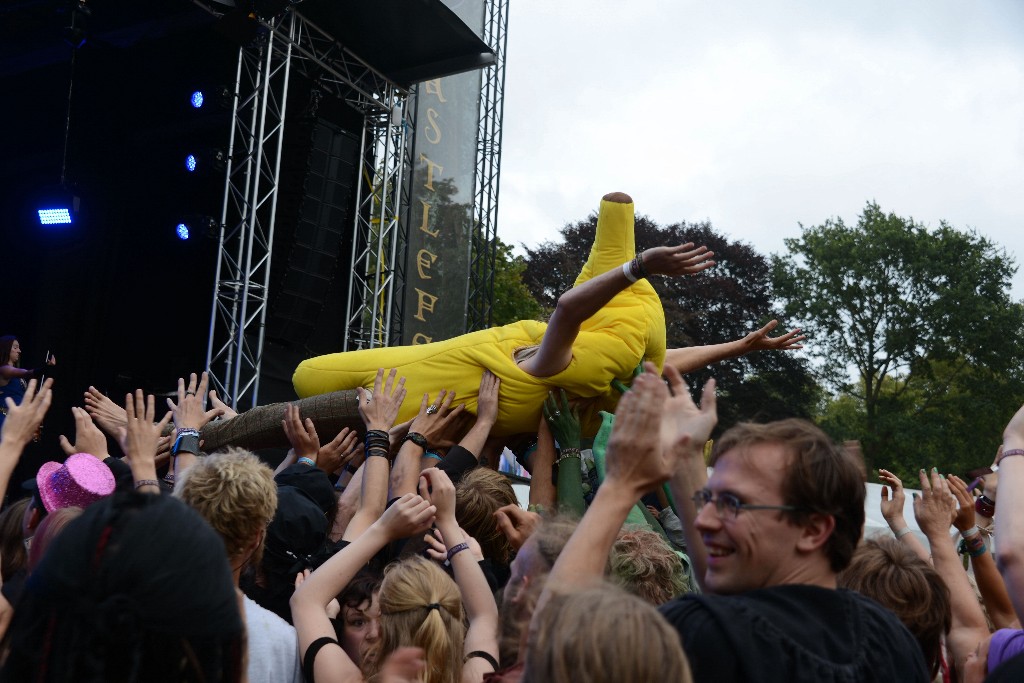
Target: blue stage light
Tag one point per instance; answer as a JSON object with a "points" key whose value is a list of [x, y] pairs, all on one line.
{"points": [[55, 216], [190, 162], [197, 99], [182, 231]]}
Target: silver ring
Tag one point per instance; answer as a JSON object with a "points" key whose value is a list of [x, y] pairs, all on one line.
{"points": [[190, 393], [431, 409], [369, 395], [556, 413]]}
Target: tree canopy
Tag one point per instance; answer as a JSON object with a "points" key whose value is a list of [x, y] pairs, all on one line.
{"points": [[923, 319], [718, 305]]}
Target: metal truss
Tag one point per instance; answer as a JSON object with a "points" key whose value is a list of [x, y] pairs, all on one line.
{"points": [[488, 169], [373, 316], [235, 346]]}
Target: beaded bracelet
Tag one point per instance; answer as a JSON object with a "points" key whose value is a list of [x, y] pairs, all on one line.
{"points": [[568, 453], [456, 549], [146, 482]]}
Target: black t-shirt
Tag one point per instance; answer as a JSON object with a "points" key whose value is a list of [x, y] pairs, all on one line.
{"points": [[794, 633]]}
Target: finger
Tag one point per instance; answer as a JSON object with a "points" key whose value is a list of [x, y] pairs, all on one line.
{"points": [[181, 389], [885, 493], [424, 488], [192, 381], [708, 398], [448, 398], [163, 422], [926, 486], [66, 446], [204, 382], [150, 408], [424, 404], [675, 381], [311, 430], [768, 328], [390, 385], [378, 381], [504, 523], [129, 407], [565, 401]]}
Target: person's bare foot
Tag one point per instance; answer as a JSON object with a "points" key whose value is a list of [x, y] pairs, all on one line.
{"points": [[110, 417]]}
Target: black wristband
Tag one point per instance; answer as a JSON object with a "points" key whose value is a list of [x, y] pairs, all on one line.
{"points": [[417, 439], [186, 443]]}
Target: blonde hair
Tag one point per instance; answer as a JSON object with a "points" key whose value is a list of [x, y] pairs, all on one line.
{"points": [[644, 565], [235, 493], [420, 606], [604, 635], [477, 497]]}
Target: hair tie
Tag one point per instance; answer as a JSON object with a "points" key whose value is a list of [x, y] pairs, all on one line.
{"points": [[434, 605]]}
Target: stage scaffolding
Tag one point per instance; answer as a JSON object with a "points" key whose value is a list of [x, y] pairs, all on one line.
{"points": [[246, 232], [241, 285], [488, 169]]}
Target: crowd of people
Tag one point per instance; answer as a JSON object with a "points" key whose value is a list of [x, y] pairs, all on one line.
{"points": [[395, 551]]}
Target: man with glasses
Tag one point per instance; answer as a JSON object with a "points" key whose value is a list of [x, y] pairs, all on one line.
{"points": [[779, 517]]}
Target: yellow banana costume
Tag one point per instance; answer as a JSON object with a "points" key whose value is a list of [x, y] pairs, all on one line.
{"points": [[630, 328]]}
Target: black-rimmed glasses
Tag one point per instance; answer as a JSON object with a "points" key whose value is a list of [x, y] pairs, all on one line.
{"points": [[728, 506]]}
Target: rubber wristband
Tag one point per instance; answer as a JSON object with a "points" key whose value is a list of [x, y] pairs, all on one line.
{"points": [[456, 549], [146, 482], [970, 533], [1011, 452], [432, 455], [628, 272], [417, 439], [306, 461], [903, 532]]}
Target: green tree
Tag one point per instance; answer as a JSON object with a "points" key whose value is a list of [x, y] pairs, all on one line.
{"points": [[918, 315], [512, 299], [719, 305]]}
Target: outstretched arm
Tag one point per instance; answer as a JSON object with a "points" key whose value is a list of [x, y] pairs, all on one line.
{"points": [[693, 358], [1010, 520], [581, 302]]}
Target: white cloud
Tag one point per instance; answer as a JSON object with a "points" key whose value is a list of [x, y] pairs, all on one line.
{"points": [[760, 116]]}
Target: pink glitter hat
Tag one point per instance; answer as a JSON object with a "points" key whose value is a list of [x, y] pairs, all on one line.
{"points": [[81, 481]]}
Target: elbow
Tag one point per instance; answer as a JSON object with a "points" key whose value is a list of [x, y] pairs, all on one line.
{"points": [[1009, 559]]}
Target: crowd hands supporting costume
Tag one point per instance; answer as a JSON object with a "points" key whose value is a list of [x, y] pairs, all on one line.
{"points": [[397, 552]]}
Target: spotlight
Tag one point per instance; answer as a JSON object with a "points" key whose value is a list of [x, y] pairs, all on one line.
{"points": [[190, 163], [58, 208], [54, 216], [197, 99], [182, 231], [192, 225]]}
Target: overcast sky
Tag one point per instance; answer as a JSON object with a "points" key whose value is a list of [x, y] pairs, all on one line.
{"points": [[760, 116]]}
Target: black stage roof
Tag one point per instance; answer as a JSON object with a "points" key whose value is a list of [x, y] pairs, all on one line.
{"points": [[406, 40]]}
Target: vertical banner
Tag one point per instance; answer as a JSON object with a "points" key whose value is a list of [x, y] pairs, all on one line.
{"points": [[441, 199]]}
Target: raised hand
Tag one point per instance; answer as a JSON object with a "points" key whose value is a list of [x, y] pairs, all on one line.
{"points": [[189, 413], [891, 508], [965, 514], [226, 411], [339, 451], [487, 398], [760, 341], [636, 459], [108, 415], [437, 487], [409, 515], [684, 259], [141, 437], [438, 551], [23, 420], [380, 408], [516, 523], [88, 438], [301, 433], [563, 419], [935, 508], [435, 417], [685, 426]]}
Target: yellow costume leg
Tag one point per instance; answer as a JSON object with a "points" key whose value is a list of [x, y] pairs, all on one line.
{"points": [[613, 242]]}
